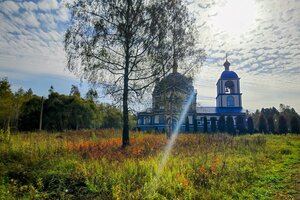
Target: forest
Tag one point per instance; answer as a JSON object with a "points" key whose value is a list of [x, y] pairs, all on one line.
{"points": [[24, 110]]}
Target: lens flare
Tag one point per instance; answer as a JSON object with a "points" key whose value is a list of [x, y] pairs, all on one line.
{"points": [[171, 143]]}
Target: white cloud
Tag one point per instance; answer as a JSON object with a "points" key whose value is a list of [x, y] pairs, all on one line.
{"points": [[9, 7], [30, 20], [29, 5], [48, 4]]}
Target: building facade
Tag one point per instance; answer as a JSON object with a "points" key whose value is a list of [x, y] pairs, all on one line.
{"points": [[176, 91]]}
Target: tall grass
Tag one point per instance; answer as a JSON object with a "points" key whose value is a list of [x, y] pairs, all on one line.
{"points": [[91, 165]]}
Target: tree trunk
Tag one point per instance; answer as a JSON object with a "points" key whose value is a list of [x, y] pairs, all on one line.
{"points": [[125, 135]]}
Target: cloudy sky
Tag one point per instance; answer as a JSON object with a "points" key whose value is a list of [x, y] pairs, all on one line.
{"points": [[261, 37]]}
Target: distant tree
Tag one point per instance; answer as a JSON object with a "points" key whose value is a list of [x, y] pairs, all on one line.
{"points": [[230, 125], [240, 125], [213, 122], [51, 90], [271, 124], [221, 124], [195, 125], [282, 125], [187, 125], [262, 124], [92, 95], [269, 112], [112, 118], [295, 127], [250, 125], [6, 104], [205, 125], [74, 91], [30, 114]]}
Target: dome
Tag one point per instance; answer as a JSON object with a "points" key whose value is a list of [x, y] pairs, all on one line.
{"points": [[172, 80], [229, 75]]}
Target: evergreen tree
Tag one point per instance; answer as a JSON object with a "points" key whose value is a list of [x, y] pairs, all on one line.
{"points": [[295, 127], [240, 125], [205, 125], [262, 124], [230, 125], [282, 125], [187, 125], [271, 124], [213, 121], [250, 125], [221, 124], [195, 125]]}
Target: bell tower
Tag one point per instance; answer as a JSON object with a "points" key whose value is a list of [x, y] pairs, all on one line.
{"points": [[228, 89]]}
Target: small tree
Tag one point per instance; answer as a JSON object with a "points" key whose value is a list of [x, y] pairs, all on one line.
{"points": [[295, 128], [250, 125], [240, 125], [187, 124], [221, 124], [213, 121], [271, 124], [205, 125], [282, 125], [195, 125], [230, 125], [262, 124]]}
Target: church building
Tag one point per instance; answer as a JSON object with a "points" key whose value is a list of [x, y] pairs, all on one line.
{"points": [[176, 90]]}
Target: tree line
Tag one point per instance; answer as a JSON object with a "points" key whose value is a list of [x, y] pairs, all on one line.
{"points": [[266, 120], [25, 111]]}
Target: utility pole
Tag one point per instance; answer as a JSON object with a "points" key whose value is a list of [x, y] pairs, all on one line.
{"points": [[41, 114]]}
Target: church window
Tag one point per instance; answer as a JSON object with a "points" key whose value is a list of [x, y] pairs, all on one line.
{"points": [[229, 87], [156, 119], [147, 120], [139, 121], [230, 101]]}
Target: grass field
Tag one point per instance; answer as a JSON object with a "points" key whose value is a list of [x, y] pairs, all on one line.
{"points": [[91, 165]]}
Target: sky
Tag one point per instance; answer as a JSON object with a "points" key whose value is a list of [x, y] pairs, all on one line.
{"points": [[261, 38]]}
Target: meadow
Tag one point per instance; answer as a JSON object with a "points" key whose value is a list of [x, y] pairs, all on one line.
{"points": [[92, 165]]}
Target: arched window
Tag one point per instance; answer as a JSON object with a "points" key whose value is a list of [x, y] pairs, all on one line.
{"points": [[229, 87], [230, 101], [147, 120]]}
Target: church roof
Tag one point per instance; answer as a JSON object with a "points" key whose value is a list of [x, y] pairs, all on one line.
{"points": [[218, 110], [228, 75], [174, 80]]}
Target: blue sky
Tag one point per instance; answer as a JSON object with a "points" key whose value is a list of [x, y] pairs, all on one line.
{"points": [[262, 38]]}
